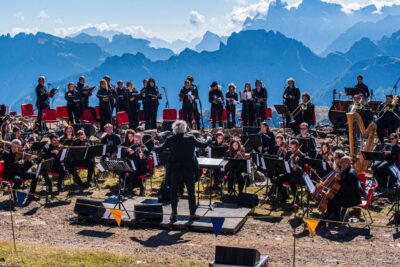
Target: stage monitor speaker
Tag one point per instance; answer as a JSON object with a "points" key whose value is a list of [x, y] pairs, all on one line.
{"points": [[88, 128], [145, 213], [236, 256], [247, 200], [250, 130], [89, 209]]}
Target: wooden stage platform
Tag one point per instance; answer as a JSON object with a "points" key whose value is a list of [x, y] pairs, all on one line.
{"points": [[230, 226]]}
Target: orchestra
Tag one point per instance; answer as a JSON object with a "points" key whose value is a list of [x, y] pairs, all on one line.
{"points": [[141, 146]]}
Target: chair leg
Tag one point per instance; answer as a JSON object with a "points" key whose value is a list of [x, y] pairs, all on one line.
{"points": [[369, 213], [345, 215]]}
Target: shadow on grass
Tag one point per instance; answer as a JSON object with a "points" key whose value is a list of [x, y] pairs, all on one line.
{"points": [[164, 238]]}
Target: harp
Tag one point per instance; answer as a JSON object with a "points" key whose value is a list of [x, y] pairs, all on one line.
{"points": [[354, 118]]}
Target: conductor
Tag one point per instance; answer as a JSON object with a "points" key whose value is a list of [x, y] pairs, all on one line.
{"points": [[181, 162]]}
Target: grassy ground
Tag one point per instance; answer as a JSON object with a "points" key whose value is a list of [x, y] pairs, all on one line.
{"points": [[49, 255]]}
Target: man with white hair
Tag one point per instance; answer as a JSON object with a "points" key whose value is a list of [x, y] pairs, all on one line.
{"points": [[181, 162], [16, 168]]}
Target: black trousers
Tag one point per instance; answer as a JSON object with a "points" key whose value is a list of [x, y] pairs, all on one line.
{"points": [[17, 180], [235, 176], [57, 167], [105, 114], [39, 119], [196, 114], [187, 115], [89, 164], [260, 111], [74, 113], [216, 111], [231, 114], [133, 117], [391, 127], [293, 179], [334, 207], [187, 177], [151, 116], [248, 115], [383, 175]]}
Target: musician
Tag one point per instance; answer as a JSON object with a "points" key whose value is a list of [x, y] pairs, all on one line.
{"points": [[195, 92], [358, 105], [267, 139], [129, 138], [151, 96], [349, 192], [111, 87], [42, 100], [216, 98], [305, 113], [364, 91], [85, 92], [73, 98], [295, 158], [231, 101], [260, 101], [16, 134], [181, 163], [281, 146], [218, 153], [291, 97], [382, 173], [236, 151], [69, 136], [247, 106], [120, 96], [327, 158], [139, 154], [132, 105], [88, 163], [16, 167], [52, 150], [311, 150], [387, 119], [188, 99], [110, 139], [105, 97]]}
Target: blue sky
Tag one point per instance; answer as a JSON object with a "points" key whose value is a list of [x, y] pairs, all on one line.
{"points": [[168, 19]]}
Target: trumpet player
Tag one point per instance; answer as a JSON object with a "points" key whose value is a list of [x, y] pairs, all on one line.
{"points": [[387, 119], [303, 113]]}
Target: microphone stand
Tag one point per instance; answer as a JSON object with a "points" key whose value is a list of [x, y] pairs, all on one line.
{"points": [[166, 97]]}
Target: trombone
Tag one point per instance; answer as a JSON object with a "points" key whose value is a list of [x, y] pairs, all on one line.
{"points": [[296, 111]]}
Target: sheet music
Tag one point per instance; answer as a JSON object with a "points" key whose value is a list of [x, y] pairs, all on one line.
{"points": [[133, 165], [248, 95], [309, 183], [324, 165], [63, 154], [287, 167], [104, 150], [119, 152], [100, 167], [263, 163], [154, 158]]}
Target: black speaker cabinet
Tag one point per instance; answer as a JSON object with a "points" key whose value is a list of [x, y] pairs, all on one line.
{"points": [[89, 209], [236, 256], [247, 200], [145, 213]]}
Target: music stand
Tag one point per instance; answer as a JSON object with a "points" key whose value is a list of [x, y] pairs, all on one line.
{"points": [[366, 115], [44, 168], [274, 166], [237, 166], [71, 154], [305, 144], [38, 146], [251, 141], [373, 156], [352, 91], [316, 164], [121, 168], [250, 130], [283, 111], [219, 151]]}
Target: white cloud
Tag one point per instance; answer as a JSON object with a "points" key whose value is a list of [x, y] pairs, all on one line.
{"points": [[43, 15], [243, 10], [19, 15], [196, 19], [59, 21], [17, 30]]}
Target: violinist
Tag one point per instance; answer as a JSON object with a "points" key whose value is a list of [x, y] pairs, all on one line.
{"points": [[16, 134], [267, 140], [348, 194], [236, 151], [246, 97], [231, 102], [187, 97], [311, 149], [129, 138], [260, 101], [52, 150], [16, 166], [73, 98], [327, 158], [295, 159], [281, 146], [382, 173], [291, 97], [110, 139], [105, 96], [69, 136], [89, 164], [132, 105], [139, 154], [387, 119], [216, 98]]}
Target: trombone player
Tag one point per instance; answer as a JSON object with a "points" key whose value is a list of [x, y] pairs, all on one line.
{"points": [[387, 117], [303, 113]]}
